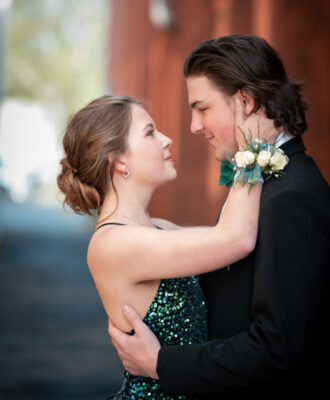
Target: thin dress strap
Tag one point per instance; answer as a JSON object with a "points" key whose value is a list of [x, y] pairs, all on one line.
{"points": [[108, 223], [117, 223]]}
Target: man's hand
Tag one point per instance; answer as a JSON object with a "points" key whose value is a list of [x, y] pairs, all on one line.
{"points": [[256, 124], [138, 353]]}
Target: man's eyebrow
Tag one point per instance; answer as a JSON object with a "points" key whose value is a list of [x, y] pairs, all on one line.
{"points": [[194, 104], [150, 125]]}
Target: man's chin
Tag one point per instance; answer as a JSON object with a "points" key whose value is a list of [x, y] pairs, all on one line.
{"points": [[221, 157]]}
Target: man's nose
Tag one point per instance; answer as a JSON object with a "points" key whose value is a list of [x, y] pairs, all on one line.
{"points": [[196, 125]]}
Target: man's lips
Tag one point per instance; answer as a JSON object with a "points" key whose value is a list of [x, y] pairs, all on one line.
{"points": [[210, 137], [169, 158]]}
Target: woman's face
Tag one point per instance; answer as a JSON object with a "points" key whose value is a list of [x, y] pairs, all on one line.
{"points": [[148, 158]]}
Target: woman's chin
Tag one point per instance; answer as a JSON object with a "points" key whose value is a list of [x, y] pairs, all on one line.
{"points": [[170, 177], [174, 175]]}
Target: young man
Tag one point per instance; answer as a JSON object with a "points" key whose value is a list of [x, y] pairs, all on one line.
{"points": [[269, 313]]}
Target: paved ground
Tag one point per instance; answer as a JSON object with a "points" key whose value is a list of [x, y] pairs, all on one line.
{"points": [[53, 332]]}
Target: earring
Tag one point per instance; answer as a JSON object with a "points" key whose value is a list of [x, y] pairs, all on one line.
{"points": [[126, 174]]}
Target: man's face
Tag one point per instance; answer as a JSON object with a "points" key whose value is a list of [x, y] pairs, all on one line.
{"points": [[212, 115]]}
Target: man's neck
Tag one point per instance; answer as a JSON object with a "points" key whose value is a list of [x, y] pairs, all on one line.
{"points": [[282, 138]]}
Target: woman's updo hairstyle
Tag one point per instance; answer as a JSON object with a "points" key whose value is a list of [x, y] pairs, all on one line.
{"points": [[96, 131]]}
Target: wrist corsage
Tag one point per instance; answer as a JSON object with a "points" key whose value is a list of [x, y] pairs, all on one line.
{"points": [[256, 159]]}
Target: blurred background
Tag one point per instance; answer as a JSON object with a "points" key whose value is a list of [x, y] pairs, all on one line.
{"points": [[57, 55]]}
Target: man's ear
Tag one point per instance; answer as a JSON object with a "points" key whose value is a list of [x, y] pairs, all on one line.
{"points": [[247, 100]]}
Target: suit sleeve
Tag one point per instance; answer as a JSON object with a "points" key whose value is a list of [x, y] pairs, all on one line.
{"points": [[290, 262]]}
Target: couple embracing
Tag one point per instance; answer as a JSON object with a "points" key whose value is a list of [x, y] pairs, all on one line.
{"points": [[237, 310]]}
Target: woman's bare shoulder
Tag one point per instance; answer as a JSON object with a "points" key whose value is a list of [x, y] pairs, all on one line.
{"points": [[104, 246], [111, 245]]}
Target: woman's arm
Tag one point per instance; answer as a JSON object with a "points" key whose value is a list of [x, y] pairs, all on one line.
{"points": [[144, 253], [165, 224]]}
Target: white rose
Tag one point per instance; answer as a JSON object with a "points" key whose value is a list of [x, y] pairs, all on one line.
{"points": [[278, 161], [244, 158], [263, 158]]}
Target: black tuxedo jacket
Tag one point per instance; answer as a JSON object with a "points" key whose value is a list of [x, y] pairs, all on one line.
{"points": [[269, 315]]}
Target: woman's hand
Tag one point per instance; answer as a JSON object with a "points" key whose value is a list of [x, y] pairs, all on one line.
{"points": [[256, 125]]}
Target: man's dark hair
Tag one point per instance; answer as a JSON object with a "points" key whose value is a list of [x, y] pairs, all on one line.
{"points": [[248, 62]]}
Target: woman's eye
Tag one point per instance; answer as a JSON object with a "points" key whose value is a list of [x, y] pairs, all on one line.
{"points": [[202, 109], [151, 132]]}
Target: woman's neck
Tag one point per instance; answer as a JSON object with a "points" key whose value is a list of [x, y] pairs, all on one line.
{"points": [[132, 206]]}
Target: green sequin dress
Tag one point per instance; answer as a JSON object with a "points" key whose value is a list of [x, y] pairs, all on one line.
{"points": [[177, 316]]}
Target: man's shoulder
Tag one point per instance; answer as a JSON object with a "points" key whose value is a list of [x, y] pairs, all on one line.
{"points": [[301, 174]]}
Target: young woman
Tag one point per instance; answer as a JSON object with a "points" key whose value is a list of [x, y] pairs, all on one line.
{"points": [[115, 160]]}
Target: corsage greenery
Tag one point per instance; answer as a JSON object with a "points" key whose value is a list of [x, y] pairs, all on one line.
{"points": [[256, 159]]}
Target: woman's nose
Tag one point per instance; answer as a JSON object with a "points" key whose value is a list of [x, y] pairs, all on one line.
{"points": [[166, 141]]}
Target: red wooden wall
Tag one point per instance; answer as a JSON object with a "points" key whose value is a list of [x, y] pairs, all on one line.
{"points": [[146, 62]]}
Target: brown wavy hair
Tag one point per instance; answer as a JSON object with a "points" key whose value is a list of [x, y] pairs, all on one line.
{"points": [[96, 131], [237, 62]]}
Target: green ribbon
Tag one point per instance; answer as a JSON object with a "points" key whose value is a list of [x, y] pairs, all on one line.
{"points": [[227, 173]]}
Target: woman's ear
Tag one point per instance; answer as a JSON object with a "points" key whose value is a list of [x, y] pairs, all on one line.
{"points": [[120, 163], [247, 100], [120, 166]]}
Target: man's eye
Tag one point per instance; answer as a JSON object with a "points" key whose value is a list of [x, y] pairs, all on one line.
{"points": [[151, 132], [202, 109]]}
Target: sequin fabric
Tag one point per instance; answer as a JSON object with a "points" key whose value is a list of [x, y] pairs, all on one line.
{"points": [[177, 316]]}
